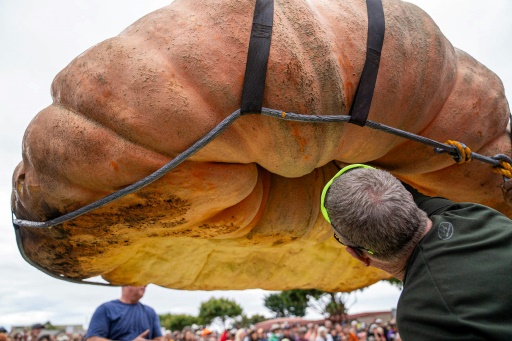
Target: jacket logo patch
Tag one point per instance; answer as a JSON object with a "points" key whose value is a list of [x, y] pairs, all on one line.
{"points": [[445, 230]]}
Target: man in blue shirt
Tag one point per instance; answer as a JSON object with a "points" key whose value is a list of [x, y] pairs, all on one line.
{"points": [[125, 319]]}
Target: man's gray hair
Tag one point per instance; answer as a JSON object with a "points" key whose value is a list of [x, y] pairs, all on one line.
{"points": [[370, 208]]}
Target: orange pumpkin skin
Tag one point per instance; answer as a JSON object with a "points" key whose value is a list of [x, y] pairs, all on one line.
{"points": [[244, 211]]}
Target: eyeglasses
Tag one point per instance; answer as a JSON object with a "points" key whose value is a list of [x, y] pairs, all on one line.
{"points": [[358, 249]]}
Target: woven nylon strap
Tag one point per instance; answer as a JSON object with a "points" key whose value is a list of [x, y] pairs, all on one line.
{"points": [[257, 57], [259, 49], [364, 93]]}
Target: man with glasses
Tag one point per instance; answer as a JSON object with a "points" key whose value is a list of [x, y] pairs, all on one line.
{"points": [[455, 259]]}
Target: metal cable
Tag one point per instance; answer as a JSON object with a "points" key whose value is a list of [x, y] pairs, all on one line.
{"points": [[50, 273], [116, 195], [438, 146], [203, 141], [288, 116]]}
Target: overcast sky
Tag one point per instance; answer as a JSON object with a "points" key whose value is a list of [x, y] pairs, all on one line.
{"points": [[39, 38]]}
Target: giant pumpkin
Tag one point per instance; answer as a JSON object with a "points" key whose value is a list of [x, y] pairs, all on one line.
{"points": [[244, 211]]}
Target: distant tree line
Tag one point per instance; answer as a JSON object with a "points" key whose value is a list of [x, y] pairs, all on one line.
{"points": [[288, 303], [214, 311]]}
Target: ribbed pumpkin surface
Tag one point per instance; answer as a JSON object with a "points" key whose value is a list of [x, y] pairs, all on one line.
{"points": [[244, 211]]}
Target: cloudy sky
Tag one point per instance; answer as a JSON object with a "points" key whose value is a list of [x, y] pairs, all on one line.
{"points": [[39, 38]]}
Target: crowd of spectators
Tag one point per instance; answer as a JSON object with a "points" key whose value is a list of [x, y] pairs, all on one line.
{"points": [[37, 333], [352, 331]]}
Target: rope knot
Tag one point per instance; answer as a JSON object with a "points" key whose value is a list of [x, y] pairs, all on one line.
{"points": [[462, 153], [505, 166]]}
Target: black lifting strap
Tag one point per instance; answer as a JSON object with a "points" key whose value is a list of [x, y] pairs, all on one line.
{"points": [[364, 93], [257, 57]]}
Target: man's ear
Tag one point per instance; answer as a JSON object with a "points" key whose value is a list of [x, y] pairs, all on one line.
{"points": [[359, 255]]}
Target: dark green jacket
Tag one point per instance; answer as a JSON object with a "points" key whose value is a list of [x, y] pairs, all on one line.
{"points": [[458, 282]]}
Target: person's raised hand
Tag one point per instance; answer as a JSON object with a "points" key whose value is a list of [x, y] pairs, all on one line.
{"points": [[142, 336]]}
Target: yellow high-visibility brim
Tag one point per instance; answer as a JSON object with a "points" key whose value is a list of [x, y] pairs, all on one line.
{"points": [[326, 187]]}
